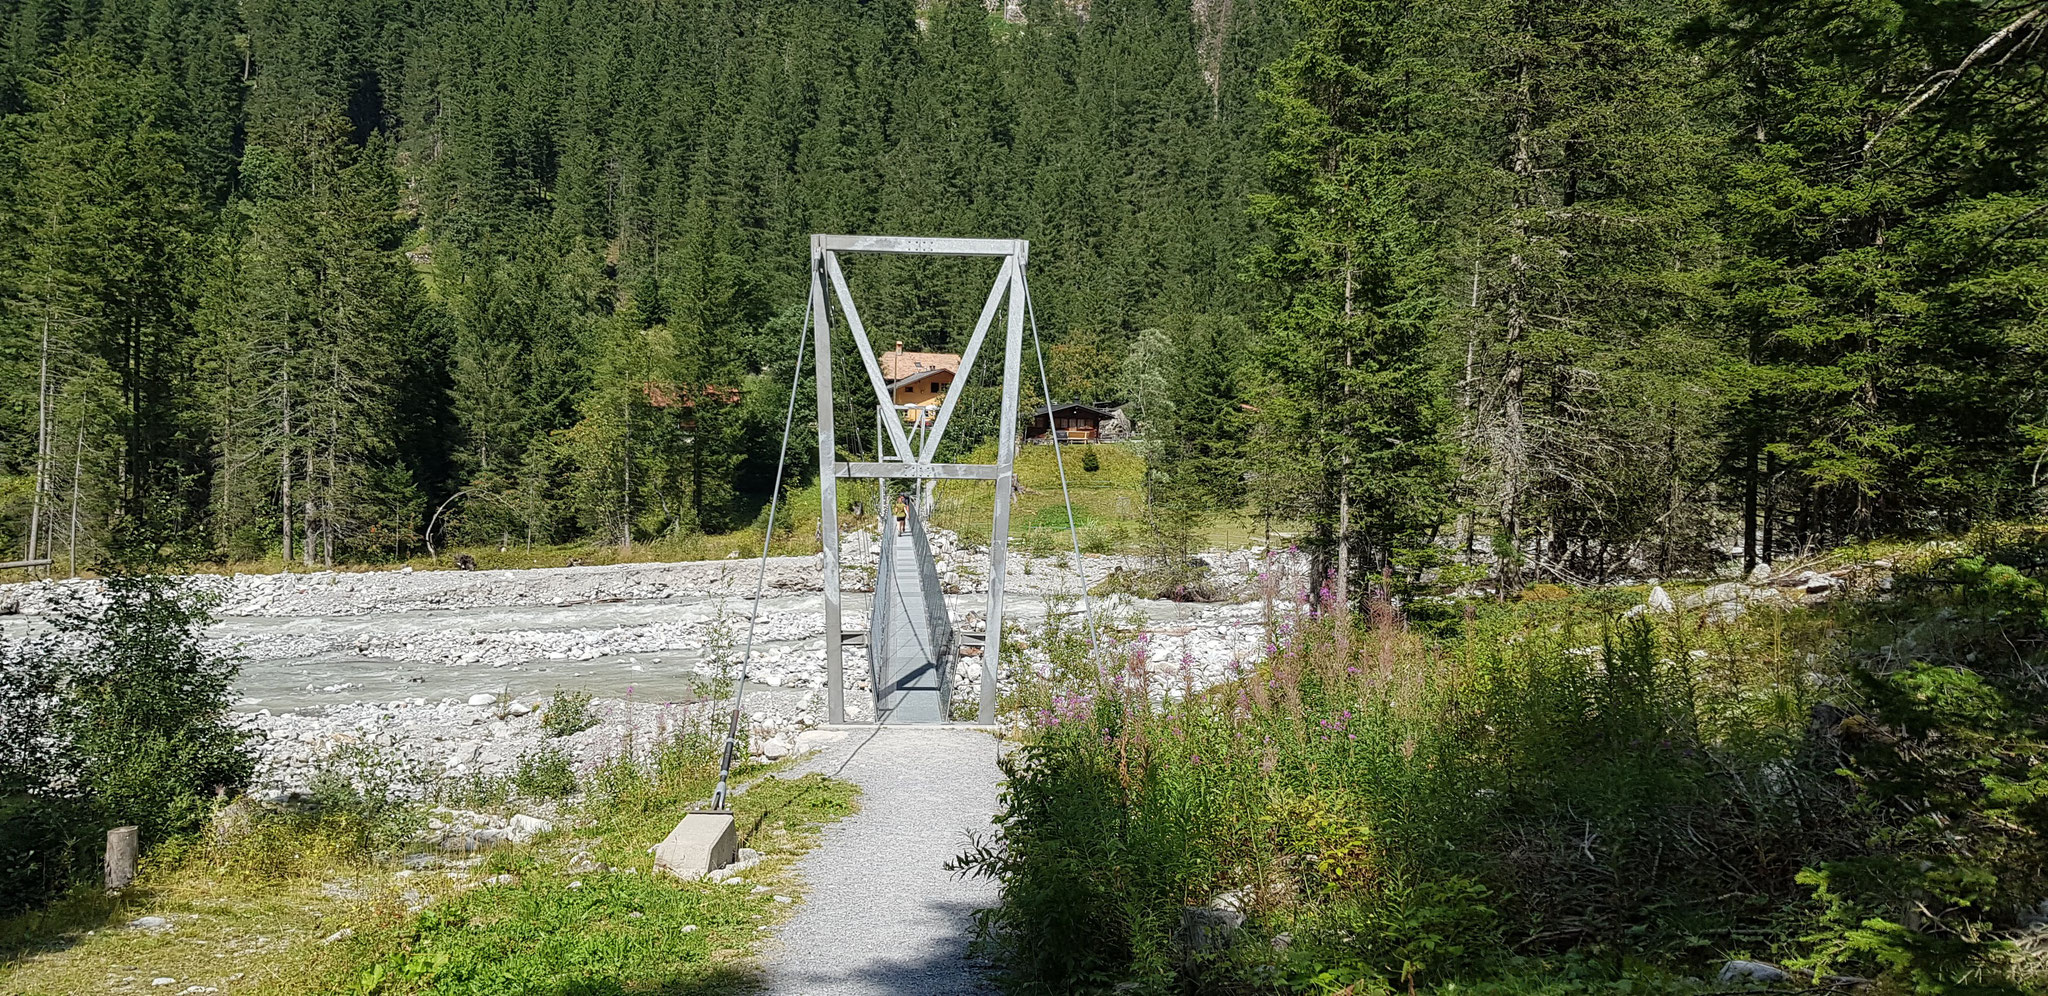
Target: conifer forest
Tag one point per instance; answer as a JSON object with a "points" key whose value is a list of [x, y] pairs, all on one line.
{"points": [[1597, 287]]}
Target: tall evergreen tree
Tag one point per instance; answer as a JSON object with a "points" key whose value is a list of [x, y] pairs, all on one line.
{"points": [[1348, 416], [101, 294], [1886, 211], [312, 343]]}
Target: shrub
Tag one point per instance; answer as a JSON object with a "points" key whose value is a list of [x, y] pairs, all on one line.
{"points": [[545, 773], [117, 717], [475, 790], [354, 798], [1542, 786], [352, 812], [1945, 754], [45, 846], [1089, 461], [1405, 810], [144, 709], [568, 713], [1181, 580]]}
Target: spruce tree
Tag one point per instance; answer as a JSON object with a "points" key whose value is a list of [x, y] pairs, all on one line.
{"points": [[1348, 417]]}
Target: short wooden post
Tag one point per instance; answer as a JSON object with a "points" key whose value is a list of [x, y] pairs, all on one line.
{"points": [[123, 844]]}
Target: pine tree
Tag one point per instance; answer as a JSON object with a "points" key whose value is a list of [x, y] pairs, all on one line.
{"points": [[1576, 209], [1885, 277], [310, 344], [1348, 421], [102, 294]]}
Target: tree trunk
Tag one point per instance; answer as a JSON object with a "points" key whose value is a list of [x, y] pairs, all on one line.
{"points": [[1749, 495], [284, 474], [1344, 470], [1514, 442], [1468, 416], [35, 508], [1770, 511], [307, 513], [124, 846], [626, 499], [1671, 474], [77, 470]]}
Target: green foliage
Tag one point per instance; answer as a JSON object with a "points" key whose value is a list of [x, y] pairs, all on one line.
{"points": [[1852, 788], [46, 846], [475, 790], [352, 799], [612, 931], [118, 717], [1881, 228], [1405, 812], [320, 273], [568, 713], [144, 704], [1346, 431], [545, 773], [1945, 755], [1090, 463]]}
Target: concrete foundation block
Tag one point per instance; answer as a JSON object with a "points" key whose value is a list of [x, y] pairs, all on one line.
{"points": [[701, 844]]}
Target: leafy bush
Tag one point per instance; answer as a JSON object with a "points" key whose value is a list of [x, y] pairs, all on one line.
{"points": [[144, 707], [545, 773], [1178, 580], [118, 716], [1407, 813], [354, 798], [1090, 462], [45, 846], [568, 713], [475, 790], [346, 818], [1850, 788]]}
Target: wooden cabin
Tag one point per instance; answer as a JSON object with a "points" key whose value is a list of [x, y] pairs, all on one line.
{"points": [[1073, 421]]}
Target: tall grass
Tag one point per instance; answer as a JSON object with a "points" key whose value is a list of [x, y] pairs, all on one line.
{"points": [[1397, 811]]}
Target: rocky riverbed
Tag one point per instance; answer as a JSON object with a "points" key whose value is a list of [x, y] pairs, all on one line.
{"points": [[439, 677]]}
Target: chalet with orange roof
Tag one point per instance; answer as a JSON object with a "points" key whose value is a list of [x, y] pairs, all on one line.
{"points": [[918, 382]]}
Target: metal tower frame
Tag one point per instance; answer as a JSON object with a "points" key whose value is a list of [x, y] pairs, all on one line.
{"points": [[915, 464]]}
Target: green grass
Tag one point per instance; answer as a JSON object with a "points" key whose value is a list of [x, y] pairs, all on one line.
{"points": [[260, 926], [552, 930], [1109, 503]]}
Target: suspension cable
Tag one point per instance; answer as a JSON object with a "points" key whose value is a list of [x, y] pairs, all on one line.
{"points": [[739, 694], [1052, 429]]}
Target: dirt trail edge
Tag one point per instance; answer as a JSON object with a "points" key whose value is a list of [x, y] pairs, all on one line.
{"points": [[882, 914]]}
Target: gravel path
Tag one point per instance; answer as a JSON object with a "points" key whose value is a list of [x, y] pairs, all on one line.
{"points": [[882, 915]]}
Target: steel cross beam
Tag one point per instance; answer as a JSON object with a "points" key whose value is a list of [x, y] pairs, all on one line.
{"points": [[915, 463]]}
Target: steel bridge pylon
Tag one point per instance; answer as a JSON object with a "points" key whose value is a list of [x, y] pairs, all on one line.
{"points": [[901, 461]]}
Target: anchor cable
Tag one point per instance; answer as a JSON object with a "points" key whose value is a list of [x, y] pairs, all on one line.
{"points": [[739, 694], [1052, 430]]}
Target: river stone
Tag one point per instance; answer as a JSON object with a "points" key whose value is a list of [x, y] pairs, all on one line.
{"points": [[482, 699], [1755, 973], [524, 827], [1660, 600], [1205, 929]]}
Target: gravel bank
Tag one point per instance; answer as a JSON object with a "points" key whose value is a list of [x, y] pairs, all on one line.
{"points": [[429, 676]]}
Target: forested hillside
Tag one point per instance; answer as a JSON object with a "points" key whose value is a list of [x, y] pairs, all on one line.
{"points": [[1580, 288]]}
